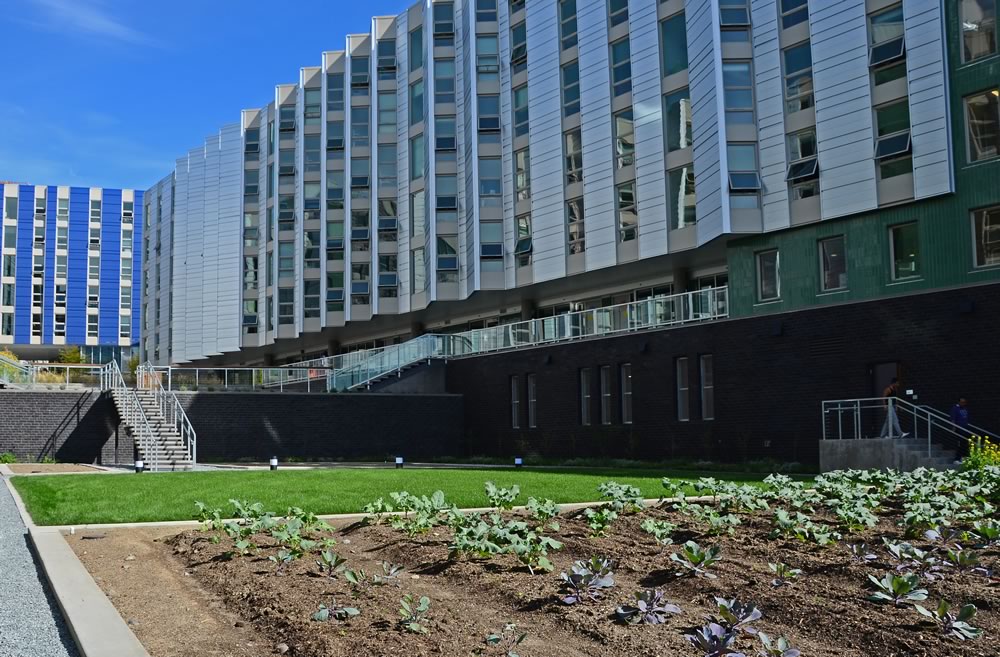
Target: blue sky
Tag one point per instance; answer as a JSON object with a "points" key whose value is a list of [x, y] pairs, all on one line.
{"points": [[110, 92]]}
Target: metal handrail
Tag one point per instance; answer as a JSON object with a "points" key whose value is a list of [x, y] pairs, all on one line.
{"points": [[971, 428], [242, 379], [655, 312], [170, 407], [925, 420], [14, 371], [132, 413]]}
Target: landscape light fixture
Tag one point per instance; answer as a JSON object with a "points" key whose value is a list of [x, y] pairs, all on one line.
{"points": [[518, 462], [399, 462], [273, 462], [139, 466]]}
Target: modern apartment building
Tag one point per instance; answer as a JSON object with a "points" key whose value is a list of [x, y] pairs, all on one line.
{"points": [[71, 261], [471, 163]]}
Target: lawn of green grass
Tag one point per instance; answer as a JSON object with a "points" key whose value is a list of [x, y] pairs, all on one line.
{"points": [[85, 499]]}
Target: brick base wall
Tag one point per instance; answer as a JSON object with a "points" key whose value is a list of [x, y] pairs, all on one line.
{"points": [[346, 426], [77, 427], [770, 376]]}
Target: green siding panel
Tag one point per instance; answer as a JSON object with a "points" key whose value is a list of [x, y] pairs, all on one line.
{"points": [[945, 228]]}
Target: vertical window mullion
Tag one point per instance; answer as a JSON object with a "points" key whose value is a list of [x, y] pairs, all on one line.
{"points": [[683, 393], [515, 402]]}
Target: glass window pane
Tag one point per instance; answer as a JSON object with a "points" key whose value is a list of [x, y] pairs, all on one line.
{"points": [[768, 282], [673, 44], [742, 157], [677, 109], [680, 183], [905, 251], [892, 118], [979, 28], [833, 264], [983, 125], [986, 236], [887, 25]]}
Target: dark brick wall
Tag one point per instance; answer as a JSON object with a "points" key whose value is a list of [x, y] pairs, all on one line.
{"points": [[771, 375], [77, 427], [323, 426]]}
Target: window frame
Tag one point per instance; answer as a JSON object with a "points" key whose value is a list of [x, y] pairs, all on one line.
{"points": [[624, 148], [532, 400], [570, 106], [618, 85], [625, 376], [965, 59], [515, 402], [707, 390], [823, 258], [573, 175], [605, 380], [892, 252], [987, 212], [749, 87], [682, 387], [804, 99], [759, 267], [586, 411], [567, 39], [576, 236], [628, 229], [987, 93]]}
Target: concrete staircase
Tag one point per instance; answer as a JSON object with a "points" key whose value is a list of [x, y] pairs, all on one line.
{"points": [[913, 453], [169, 452]]}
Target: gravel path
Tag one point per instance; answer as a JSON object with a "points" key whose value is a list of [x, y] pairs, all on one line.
{"points": [[30, 622]]}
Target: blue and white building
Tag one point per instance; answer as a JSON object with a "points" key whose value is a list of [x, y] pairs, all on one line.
{"points": [[469, 163], [71, 270]]}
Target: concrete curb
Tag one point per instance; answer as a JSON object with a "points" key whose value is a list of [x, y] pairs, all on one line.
{"points": [[5, 471], [19, 503], [94, 622]]}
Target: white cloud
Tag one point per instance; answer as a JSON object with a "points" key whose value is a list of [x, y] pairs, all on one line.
{"points": [[87, 18]]}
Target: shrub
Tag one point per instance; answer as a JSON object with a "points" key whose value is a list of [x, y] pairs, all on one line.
{"points": [[8, 457], [983, 452]]}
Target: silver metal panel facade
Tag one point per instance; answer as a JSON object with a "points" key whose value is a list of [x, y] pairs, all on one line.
{"points": [[707, 124], [926, 77], [839, 34], [770, 106], [647, 111], [548, 221], [596, 133]]}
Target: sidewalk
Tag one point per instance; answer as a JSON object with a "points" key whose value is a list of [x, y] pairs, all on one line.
{"points": [[30, 622]]}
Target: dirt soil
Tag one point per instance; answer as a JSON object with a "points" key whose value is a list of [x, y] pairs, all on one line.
{"points": [[171, 613], [824, 613], [49, 468]]}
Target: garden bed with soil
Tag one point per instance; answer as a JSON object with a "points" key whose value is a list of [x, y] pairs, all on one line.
{"points": [[49, 468], [824, 611]]}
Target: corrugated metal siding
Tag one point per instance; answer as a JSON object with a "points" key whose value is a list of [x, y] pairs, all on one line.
{"points": [[769, 95], [647, 110], [839, 33], [595, 130], [548, 230]]}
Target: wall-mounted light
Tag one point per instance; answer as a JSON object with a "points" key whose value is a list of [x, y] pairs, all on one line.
{"points": [[399, 462], [273, 462], [518, 462]]}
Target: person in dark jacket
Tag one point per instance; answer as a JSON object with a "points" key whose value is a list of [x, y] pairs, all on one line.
{"points": [[960, 418]]}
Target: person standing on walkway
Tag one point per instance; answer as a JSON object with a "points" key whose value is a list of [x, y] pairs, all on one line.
{"points": [[891, 428], [960, 418]]}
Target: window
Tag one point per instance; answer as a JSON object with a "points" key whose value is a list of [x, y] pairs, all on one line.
{"points": [[683, 389], [628, 215], [677, 110], [522, 175], [417, 157], [311, 153], [522, 244], [387, 113], [624, 139], [446, 189], [92, 326], [286, 121], [768, 276], [605, 394], [621, 67], [518, 48], [359, 76], [571, 88], [832, 264], [574, 157], [798, 77], [490, 175], [447, 253], [486, 11], [707, 387], [359, 127], [887, 42], [335, 190], [979, 28], [680, 185], [520, 110], [982, 125], [334, 138], [489, 113], [286, 305], [734, 13], [626, 382], [532, 394], [444, 134], [386, 166], [803, 170], [892, 145], [585, 396], [794, 12], [617, 12], [487, 59], [738, 92], [360, 173], [986, 236], [515, 402], [444, 80], [567, 23], [744, 181], [416, 102], [905, 251], [416, 49], [311, 106], [574, 225], [673, 44], [444, 18], [286, 259]]}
